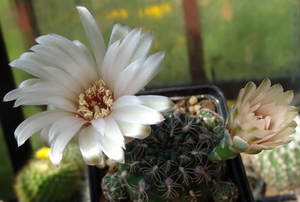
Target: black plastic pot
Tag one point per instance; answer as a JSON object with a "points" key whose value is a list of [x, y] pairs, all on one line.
{"points": [[236, 171]]}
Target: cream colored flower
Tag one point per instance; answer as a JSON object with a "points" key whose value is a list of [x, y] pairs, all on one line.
{"points": [[261, 119], [92, 92]]}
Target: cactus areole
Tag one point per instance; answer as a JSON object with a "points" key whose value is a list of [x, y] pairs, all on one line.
{"points": [[172, 163]]}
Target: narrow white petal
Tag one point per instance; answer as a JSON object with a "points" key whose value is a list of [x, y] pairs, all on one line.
{"points": [[30, 66], [137, 114], [47, 73], [29, 82], [88, 55], [59, 143], [71, 49], [94, 34], [134, 130], [18, 92], [144, 46], [99, 143], [45, 136], [126, 100], [146, 72], [274, 92], [36, 123], [37, 58], [263, 87], [156, 102], [125, 78], [63, 61], [248, 91], [111, 149], [63, 78], [113, 132], [64, 122], [108, 64], [50, 88], [89, 146], [125, 52], [45, 99], [285, 98], [119, 32], [99, 125]]}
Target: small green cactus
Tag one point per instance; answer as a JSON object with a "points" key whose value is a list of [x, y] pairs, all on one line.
{"points": [[172, 163], [40, 180]]}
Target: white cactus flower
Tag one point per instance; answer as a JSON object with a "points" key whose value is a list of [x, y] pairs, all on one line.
{"points": [[92, 92], [260, 120]]}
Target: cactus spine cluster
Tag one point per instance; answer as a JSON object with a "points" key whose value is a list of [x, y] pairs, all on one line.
{"points": [[172, 163], [40, 180]]}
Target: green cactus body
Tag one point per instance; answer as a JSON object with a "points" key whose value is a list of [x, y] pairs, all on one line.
{"points": [[172, 163], [40, 180]]}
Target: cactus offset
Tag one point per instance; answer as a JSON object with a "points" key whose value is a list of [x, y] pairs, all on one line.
{"points": [[172, 162], [40, 180]]}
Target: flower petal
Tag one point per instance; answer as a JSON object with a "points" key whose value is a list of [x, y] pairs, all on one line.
{"points": [[111, 150], [36, 123], [285, 98], [134, 130], [89, 146], [113, 132], [61, 140], [124, 55], [144, 46], [94, 35], [45, 136], [45, 99], [63, 61], [64, 122], [156, 102], [146, 72], [137, 114], [99, 125], [127, 100], [103, 142], [262, 88], [108, 65], [125, 78], [119, 32], [71, 49], [23, 88], [88, 55]]}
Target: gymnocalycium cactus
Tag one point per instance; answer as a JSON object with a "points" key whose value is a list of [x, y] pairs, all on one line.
{"points": [[172, 163], [40, 180]]}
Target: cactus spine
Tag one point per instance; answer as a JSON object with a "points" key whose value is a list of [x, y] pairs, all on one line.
{"points": [[172, 163]]}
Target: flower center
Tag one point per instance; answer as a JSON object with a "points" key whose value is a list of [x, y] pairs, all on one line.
{"points": [[96, 102]]}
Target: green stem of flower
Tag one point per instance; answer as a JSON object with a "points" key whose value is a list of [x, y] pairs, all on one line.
{"points": [[223, 152]]}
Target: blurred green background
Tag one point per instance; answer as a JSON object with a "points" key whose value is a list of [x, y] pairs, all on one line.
{"points": [[242, 40]]}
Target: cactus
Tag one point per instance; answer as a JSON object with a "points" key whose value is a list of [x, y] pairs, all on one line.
{"points": [[279, 168], [172, 163], [40, 180]]}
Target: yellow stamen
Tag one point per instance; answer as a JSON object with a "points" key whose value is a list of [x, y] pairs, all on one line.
{"points": [[96, 102]]}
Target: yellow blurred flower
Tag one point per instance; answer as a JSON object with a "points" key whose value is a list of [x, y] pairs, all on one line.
{"points": [[43, 153], [117, 13], [156, 11]]}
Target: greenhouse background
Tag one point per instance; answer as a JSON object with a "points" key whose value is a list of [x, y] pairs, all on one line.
{"points": [[225, 43]]}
